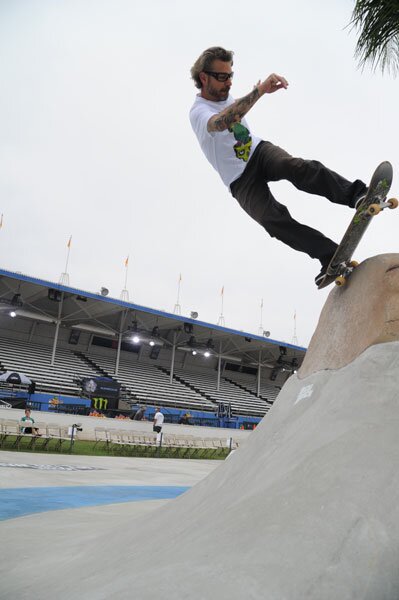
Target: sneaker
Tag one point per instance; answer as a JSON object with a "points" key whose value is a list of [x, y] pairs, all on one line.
{"points": [[319, 278], [360, 199]]}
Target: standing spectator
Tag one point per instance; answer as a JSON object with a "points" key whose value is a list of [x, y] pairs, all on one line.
{"points": [[158, 420], [139, 414]]}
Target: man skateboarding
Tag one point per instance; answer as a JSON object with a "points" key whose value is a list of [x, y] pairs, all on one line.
{"points": [[247, 164]]}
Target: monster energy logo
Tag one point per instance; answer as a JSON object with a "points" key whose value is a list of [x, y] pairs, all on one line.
{"points": [[100, 403]]}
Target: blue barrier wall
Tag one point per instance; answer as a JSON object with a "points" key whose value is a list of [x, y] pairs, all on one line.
{"points": [[55, 403]]}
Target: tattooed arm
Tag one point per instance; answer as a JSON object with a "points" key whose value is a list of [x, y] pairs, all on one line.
{"points": [[236, 111]]}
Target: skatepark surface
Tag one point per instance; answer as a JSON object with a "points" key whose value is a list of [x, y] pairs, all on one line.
{"points": [[307, 509]]}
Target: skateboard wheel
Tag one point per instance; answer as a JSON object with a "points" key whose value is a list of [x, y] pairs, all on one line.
{"points": [[353, 264], [393, 202], [373, 209], [340, 281]]}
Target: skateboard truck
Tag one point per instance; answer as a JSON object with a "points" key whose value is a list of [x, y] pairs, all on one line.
{"points": [[344, 270], [377, 207]]}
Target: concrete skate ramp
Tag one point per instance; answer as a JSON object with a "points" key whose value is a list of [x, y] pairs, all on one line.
{"points": [[308, 509], [362, 313]]}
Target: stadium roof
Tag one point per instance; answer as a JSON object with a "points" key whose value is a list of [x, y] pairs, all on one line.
{"points": [[41, 300]]}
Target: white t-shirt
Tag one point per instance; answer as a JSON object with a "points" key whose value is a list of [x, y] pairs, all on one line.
{"points": [[228, 151], [159, 418]]}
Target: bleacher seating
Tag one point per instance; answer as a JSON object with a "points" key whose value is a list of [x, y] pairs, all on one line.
{"points": [[143, 382], [268, 391], [241, 401], [150, 385], [34, 360]]}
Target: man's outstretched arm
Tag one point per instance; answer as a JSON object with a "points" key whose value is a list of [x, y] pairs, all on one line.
{"points": [[236, 111]]}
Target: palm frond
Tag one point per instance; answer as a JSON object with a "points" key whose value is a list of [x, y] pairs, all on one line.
{"points": [[378, 42]]}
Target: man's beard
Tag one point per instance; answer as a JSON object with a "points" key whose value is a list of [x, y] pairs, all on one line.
{"points": [[217, 95]]}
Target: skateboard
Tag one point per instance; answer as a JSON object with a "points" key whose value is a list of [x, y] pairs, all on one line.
{"points": [[341, 265]]}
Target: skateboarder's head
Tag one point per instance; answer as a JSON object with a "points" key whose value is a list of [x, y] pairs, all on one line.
{"points": [[212, 73]]}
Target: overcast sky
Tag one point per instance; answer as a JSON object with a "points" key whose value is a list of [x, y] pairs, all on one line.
{"points": [[95, 142]]}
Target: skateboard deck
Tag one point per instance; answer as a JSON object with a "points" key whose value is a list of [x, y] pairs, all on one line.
{"points": [[341, 266]]}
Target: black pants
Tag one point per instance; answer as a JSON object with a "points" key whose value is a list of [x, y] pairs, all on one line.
{"points": [[271, 163], [156, 428]]}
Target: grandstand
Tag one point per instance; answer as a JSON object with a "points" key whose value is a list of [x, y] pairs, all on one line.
{"points": [[241, 400], [34, 360], [148, 384], [58, 336]]}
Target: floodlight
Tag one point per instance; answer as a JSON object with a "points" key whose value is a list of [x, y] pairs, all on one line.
{"points": [[13, 314], [152, 343], [194, 352], [207, 354], [135, 339]]}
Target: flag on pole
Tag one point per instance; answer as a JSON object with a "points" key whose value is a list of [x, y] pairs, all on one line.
{"points": [[180, 278], [69, 242], [261, 303], [127, 261], [1, 221], [222, 292]]}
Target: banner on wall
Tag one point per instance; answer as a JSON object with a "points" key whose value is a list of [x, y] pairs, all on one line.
{"points": [[101, 404], [101, 387]]}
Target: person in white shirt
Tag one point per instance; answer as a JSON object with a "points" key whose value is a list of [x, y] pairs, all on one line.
{"points": [[158, 420], [246, 163]]}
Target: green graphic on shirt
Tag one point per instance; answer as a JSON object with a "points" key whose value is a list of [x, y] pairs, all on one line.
{"points": [[243, 146]]}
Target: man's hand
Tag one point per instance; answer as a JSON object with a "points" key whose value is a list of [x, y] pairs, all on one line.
{"points": [[273, 83], [236, 111]]}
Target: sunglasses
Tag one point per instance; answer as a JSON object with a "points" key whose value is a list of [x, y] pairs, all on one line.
{"points": [[220, 76]]}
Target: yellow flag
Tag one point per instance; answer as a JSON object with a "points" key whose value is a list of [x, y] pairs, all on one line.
{"points": [[127, 261], [69, 242]]}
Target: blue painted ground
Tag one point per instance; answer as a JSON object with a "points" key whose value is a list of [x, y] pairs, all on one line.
{"points": [[17, 502]]}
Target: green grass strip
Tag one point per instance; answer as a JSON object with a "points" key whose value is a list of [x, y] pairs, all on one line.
{"points": [[90, 448]]}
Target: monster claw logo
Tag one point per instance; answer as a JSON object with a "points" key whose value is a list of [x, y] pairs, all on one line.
{"points": [[243, 146]]}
